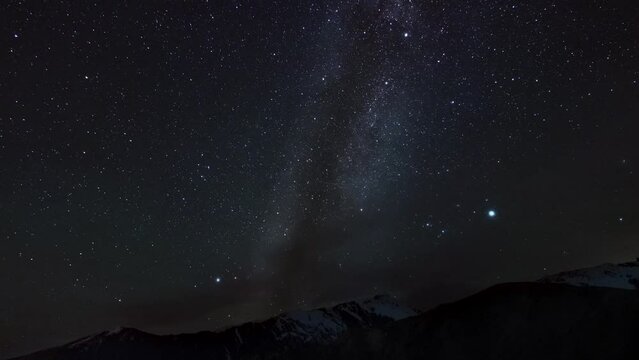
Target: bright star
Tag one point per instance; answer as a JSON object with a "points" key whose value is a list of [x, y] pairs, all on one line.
{"points": [[492, 213], [405, 34], [218, 279]]}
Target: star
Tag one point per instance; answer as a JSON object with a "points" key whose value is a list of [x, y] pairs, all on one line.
{"points": [[218, 279], [492, 213]]}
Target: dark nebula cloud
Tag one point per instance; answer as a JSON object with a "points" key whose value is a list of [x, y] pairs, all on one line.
{"points": [[177, 167]]}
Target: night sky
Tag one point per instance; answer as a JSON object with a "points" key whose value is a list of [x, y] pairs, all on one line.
{"points": [[178, 166]]}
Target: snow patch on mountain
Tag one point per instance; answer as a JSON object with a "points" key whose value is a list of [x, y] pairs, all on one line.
{"points": [[620, 276], [326, 324], [386, 306], [117, 334]]}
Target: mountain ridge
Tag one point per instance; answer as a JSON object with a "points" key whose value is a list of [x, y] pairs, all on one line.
{"points": [[622, 276], [274, 335], [587, 313]]}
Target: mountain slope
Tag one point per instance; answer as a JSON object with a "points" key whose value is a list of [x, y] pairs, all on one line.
{"points": [[508, 321], [621, 276], [267, 339]]}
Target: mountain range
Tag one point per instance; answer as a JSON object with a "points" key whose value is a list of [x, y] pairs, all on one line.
{"points": [[256, 340], [590, 313]]}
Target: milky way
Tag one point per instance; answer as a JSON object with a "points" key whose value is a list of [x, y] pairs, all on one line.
{"points": [[178, 167]]}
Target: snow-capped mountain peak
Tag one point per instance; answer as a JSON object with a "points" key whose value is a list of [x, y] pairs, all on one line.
{"points": [[121, 334], [387, 306], [621, 276], [326, 324]]}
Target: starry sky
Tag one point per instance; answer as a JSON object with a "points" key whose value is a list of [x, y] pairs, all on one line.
{"points": [[180, 166]]}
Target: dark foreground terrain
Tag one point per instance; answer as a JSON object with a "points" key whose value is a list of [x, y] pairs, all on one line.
{"points": [[509, 321], [583, 314]]}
